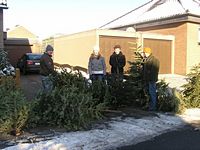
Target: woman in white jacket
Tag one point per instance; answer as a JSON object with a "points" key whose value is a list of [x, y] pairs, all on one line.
{"points": [[96, 65]]}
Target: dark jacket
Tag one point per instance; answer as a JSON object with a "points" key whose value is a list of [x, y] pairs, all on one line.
{"points": [[46, 65], [151, 69], [117, 62]]}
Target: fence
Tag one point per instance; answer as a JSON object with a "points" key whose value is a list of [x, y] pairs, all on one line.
{"points": [[72, 68]]}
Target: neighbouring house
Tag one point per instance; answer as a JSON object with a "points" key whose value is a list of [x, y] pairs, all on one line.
{"points": [[3, 5], [47, 41], [19, 41], [173, 34], [180, 18], [50, 40], [75, 49], [20, 32]]}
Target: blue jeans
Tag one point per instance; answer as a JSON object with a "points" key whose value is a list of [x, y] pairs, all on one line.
{"points": [[47, 84], [152, 94], [95, 77]]}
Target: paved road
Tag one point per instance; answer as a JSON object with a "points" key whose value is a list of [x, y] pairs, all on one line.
{"points": [[31, 85], [187, 138]]}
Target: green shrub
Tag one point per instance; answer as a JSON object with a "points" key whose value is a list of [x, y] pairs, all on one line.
{"points": [[191, 90], [126, 93], [169, 100], [101, 93], [69, 105], [14, 108]]}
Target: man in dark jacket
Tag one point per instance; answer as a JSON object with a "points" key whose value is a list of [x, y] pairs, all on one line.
{"points": [[150, 74], [47, 68], [117, 62]]}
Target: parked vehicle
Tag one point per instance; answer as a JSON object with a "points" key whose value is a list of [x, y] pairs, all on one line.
{"points": [[29, 62]]}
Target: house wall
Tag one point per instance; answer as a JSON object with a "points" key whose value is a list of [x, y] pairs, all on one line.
{"points": [[75, 49], [37, 47], [161, 49], [108, 42], [179, 30], [15, 52], [16, 48], [193, 47], [19, 32], [48, 41]]}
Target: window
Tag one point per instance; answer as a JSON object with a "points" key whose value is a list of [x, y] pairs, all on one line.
{"points": [[34, 57]]}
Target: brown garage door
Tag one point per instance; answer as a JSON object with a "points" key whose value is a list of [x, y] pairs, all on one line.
{"points": [[107, 43], [162, 50]]}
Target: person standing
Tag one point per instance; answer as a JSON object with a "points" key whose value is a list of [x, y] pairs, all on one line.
{"points": [[117, 62], [96, 65], [150, 74], [47, 68]]}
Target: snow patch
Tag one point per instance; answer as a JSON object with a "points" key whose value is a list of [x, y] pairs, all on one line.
{"points": [[119, 132], [174, 80], [191, 115]]}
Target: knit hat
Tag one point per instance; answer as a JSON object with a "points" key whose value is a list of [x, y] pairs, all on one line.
{"points": [[117, 46], [49, 48], [147, 50]]}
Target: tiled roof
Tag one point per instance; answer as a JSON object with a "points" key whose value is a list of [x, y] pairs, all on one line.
{"points": [[156, 10]]}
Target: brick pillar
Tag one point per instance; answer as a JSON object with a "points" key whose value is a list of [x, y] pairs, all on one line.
{"points": [[1, 29]]}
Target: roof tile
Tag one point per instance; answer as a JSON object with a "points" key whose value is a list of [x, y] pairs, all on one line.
{"points": [[155, 10]]}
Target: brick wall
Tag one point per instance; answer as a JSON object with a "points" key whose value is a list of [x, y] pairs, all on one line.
{"points": [[1, 29], [193, 47], [179, 30], [16, 48]]}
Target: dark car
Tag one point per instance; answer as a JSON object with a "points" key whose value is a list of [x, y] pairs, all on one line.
{"points": [[29, 62]]}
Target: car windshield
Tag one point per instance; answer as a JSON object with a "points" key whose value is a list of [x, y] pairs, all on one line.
{"points": [[34, 57]]}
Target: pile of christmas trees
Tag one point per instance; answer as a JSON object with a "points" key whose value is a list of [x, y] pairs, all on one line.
{"points": [[6, 69]]}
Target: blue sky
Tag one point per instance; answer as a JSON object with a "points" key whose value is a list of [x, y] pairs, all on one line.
{"points": [[48, 17]]}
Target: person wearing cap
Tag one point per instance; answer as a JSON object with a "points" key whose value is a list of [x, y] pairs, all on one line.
{"points": [[150, 75], [117, 62], [96, 65], [47, 68]]}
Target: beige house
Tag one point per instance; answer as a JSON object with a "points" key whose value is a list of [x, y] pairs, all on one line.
{"points": [[20, 33], [76, 49], [19, 41], [180, 18], [50, 40]]}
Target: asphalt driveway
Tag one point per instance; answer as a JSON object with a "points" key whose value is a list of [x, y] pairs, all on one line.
{"points": [[31, 84], [185, 139]]}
